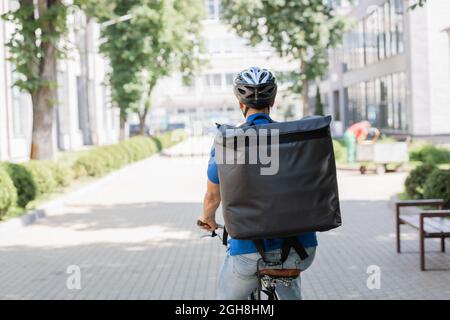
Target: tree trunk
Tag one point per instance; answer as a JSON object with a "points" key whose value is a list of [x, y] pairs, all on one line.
{"points": [[44, 99], [305, 98], [142, 118], [305, 89], [42, 144], [123, 121]]}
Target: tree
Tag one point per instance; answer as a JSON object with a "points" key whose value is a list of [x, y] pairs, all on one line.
{"points": [[34, 49], [319, 104], [417, 3], [301, 30], [161, 37]]}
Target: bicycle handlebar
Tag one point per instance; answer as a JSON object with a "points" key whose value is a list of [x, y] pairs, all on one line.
{"points": [[213, 233]]}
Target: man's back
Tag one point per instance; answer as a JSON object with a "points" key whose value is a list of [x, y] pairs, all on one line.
{"points": [[238, 247]]}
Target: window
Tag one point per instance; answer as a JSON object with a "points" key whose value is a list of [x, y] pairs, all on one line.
{"points": [[216, 80], [337, 106], [381, 101], [229, 78], [399, 25], [387, 23], [212, 80], [214, 9], [377, 36], [380, 34]]}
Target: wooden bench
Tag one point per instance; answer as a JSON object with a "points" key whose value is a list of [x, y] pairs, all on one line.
{"points": [[430, 223]]}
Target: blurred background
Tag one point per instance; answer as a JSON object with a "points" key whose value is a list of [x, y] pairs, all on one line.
{"points": [[389, 65], [88, 87]]}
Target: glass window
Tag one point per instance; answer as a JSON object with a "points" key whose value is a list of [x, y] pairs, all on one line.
{"points": [[206, 80], [214, 8], [371, 102], [380, 33], [362, 101], [402, 101], [337, 104], [399, 24], [383, 105], [211, 9], [361, 58], [393, 33], [387, 28], [229, 78], [389, 104], [217, 80]]}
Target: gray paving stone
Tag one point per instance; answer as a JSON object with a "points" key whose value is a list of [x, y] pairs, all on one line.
{"points": [[135, 238]]}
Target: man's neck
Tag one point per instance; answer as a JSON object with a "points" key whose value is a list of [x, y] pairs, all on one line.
{"points": [[254, 111]]}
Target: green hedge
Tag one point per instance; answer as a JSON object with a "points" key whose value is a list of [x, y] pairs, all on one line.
{"points": [[437, 186], [339, 151], [42, 175], [23, 182], [429, 153], [8, 193], [414, 183], [104, 159]]}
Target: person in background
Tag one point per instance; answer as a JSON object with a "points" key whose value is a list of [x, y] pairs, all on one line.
{"points": [[357, 133]]}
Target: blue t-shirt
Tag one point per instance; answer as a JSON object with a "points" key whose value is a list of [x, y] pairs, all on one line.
{"points": [[235, 246]]}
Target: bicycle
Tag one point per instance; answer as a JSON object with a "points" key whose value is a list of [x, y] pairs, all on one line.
{"points": [[272, 282]]}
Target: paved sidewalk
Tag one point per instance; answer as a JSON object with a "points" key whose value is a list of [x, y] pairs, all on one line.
{"points": [[135, 238]]}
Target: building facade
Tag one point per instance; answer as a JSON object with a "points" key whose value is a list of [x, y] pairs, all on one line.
{"points": [[83, 114], [210, 97], [392, 69]]}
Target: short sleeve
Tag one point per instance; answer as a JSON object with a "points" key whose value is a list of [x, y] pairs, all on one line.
{"points": [[212, 172]]}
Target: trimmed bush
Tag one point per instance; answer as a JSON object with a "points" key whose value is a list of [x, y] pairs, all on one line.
{"points": [[62, 175], [429, 153], [104, 159], [339, 151], [437, 186], [414, 183], [42, 175], [8, 193], [23, 182], [91, 164]]}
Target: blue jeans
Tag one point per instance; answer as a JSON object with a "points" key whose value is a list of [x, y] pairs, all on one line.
{"points": [[237, 277]]}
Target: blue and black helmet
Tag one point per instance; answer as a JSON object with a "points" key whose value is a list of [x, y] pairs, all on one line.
{"points": [[256, 88]]}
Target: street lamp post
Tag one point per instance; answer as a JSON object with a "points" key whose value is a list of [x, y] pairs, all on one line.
{"points": [[116, 20]]}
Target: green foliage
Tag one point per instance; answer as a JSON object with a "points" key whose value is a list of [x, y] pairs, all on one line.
{"points": [[8, 193], [429, 153], [104, 159], [162, 37], [36, 30], [301, 30], [414, 183], [62, 175], [417, 3], [319, 104], [437, 186], [42, 175], [339, 151], [23, 182]]}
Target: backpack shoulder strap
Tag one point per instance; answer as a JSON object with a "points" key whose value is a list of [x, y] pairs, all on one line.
{"points": [[259, 244], [293, 242]]}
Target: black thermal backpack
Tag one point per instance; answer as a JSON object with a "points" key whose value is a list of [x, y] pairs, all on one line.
{"points": [[301, 196]]}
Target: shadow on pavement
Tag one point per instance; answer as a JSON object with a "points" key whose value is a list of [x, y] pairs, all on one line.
{"points": [[154, 251]]}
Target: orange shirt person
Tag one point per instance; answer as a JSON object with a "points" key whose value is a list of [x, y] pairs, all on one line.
{"points": [[360, 130], [356, 133]]}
